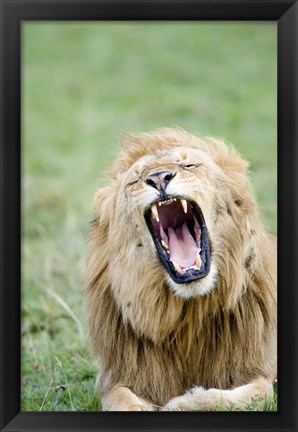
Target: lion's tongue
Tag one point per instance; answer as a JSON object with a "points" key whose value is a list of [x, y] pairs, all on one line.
{"points": [[182, 246]]}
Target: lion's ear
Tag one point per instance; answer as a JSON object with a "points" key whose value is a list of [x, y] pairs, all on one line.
{"points": [[103, 203], [97, 254], [101, 195], [226, 156]]}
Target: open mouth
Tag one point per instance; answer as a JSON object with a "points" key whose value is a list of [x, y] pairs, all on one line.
{"points": [[181, 239]]}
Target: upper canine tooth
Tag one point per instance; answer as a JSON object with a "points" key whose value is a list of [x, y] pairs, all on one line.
{"points": [[164, 244], [184, 205], [155, 212]]}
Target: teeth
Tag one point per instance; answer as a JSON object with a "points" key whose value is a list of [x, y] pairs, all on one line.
{"points": [[184, 205], [177, 267], [155, 212], [164, 244], [198, 261], [166, 202]]}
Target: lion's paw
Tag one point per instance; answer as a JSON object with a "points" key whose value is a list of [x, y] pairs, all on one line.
{"points": [[186, 402], [137, 408], [130, 407]]}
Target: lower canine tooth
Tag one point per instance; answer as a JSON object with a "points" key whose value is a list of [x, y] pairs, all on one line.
{"points": [[155, 212], [184, 205], [177, 267], [198, 261]]}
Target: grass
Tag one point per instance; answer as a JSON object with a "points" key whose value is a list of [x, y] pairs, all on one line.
{"points": [[82, 83]]}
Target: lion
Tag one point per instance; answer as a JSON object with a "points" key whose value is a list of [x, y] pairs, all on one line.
{"points": [[180, 279]]}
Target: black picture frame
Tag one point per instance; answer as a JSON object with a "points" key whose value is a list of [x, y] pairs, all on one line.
{"points": [[13, 13]]}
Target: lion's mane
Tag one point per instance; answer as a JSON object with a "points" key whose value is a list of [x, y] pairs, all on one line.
{"points": [[157, 343]]}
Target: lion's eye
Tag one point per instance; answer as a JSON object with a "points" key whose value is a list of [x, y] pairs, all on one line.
{"points": [[131, 183], [190, 166]]}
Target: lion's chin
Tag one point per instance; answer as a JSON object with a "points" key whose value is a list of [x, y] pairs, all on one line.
{"points": [[180, 236], [196, 288]]}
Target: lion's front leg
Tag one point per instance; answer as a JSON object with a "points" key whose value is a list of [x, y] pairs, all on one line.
{"points": [[123, 399], [199, 399]]}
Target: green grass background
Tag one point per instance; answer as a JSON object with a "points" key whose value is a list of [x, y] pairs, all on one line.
{"points": [[82, 83]]}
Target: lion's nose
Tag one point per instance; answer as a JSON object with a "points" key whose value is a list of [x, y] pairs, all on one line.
{"points": [[160, 180]]}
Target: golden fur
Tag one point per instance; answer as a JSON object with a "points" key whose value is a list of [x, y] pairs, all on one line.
{"points": [[156, 340]]}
